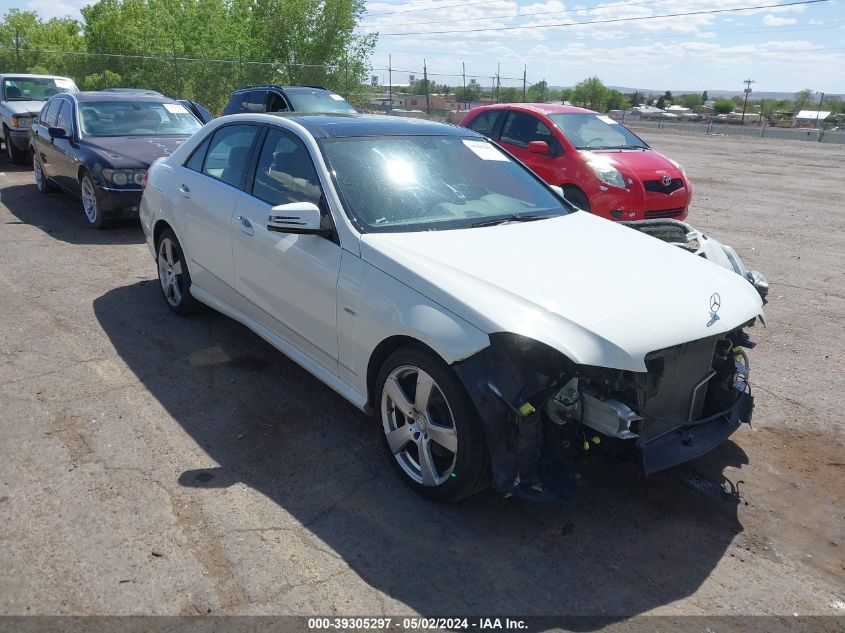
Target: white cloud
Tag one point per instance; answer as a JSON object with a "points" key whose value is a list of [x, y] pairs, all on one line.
{"points": [[773, 20], [47, 9]]}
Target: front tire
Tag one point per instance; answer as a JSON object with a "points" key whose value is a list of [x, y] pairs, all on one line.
{"points": [[16, 156], [91, 202], [577, 197], [431, 430], [173, 274]]}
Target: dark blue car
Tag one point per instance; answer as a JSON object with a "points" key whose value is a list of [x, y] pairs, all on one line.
{"points": [[98, 145]]}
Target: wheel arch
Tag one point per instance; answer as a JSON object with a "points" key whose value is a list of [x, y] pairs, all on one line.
{"points": [[158, 229], [381, 353]]}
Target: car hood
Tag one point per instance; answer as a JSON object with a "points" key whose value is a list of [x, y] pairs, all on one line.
{"points": [[641, 162], [134, 151], [24, 107], [597, 291]]}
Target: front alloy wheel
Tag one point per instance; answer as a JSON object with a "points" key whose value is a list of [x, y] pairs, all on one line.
{"points": [[41, 182], [431, 429], [90, 204]]}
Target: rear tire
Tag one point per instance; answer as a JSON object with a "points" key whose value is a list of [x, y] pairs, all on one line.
{"points": [[431, 431], [16, 156], [173, 274], [42, 183], [577, 197]]}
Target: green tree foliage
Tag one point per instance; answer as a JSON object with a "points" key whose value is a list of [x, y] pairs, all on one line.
{"points": [[468, 94], [803, 99], [152, 44], [704, 97], [691, 101], [724, 106], [590, 93]]}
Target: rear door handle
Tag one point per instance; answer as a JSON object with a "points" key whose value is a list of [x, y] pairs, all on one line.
{"points": [[185, 191], [246, 225]]}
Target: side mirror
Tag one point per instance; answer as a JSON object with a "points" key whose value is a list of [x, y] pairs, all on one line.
{"points": [[760, 283], [538, 147], [296, 217], [57, 132], [557, 190]]}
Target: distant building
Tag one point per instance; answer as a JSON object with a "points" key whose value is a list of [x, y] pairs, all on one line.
{"points": [[374, 81], [809, 118]]}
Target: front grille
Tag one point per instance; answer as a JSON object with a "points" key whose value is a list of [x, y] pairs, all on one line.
{"points": [[684, 371], [657, 186], [663, 213]]}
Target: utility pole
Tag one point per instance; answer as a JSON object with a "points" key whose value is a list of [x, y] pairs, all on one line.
{"points": [[390, 80], [17, 51], [747, 91], [498, 82], [819, 109], [464, 75], [425, 79], [176, 68], [346, 75], [524, 75], [543, 90]]}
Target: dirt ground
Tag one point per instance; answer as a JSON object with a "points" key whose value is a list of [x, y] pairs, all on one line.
{"points": [[157, 465]]}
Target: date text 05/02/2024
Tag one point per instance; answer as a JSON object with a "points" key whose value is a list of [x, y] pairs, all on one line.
{"points": [[415, 624]]}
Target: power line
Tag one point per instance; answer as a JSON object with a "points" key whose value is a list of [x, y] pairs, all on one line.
{"points": [[445, 6], [526, 15], [610, 20]]}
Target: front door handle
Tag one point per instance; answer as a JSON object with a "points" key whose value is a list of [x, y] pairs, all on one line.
{"points": [[246, 225], [183, 189]]}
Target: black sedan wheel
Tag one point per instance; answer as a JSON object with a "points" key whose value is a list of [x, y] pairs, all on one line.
{"points": [[90, 203], [42, 183]]}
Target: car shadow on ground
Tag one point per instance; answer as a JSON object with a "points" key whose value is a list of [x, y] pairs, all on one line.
{"points": [[624, 544], [61, 216]]}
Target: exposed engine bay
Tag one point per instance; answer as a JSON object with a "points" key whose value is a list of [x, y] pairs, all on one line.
{"points": [[543, 414], [694, 241]]}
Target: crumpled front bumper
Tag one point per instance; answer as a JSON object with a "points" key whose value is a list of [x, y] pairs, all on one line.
{"points": [[690, 441]]}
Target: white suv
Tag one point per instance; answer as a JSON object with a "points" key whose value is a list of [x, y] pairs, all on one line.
{"points": [[434, 281]]}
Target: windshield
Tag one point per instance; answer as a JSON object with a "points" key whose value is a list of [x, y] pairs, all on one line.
{"points": [[136, 118], [596, 131], [320, 101], [35, 88], [424, 183]]}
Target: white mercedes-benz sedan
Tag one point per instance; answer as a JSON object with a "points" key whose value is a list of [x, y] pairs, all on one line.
{"points": [[496, 332]]}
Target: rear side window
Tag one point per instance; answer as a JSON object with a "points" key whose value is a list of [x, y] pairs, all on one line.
{"points": [[228, 154], [255, 101], [65, 118], [51, 112], [484, 123], [520, 129], [196, 160]]}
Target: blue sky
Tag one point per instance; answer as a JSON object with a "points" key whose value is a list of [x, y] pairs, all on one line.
{"points": [[781, 48]]}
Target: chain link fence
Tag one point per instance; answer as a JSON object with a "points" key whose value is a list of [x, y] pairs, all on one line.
{"points": [[815, 135]]}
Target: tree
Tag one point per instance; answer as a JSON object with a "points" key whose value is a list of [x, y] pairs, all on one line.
{"points": [[538, 92], [704, 97], [724, 106], [468, 94], [590, 93], [690, 101], [667, 95], [616, 100], [661, 102], [803, 99]]}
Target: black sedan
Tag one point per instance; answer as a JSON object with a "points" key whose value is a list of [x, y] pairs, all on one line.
{"points": [[98, 146]]}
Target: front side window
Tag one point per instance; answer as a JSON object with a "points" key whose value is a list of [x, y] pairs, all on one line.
{"points": [[422, 183], [484, 123], [285, 171], [276, 103], [136, 118], [229, 153], [596, 131], [35, 88], [521, 128]]}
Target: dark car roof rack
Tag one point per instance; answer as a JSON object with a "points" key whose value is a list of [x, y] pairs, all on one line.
{"points": [[278, 86]]}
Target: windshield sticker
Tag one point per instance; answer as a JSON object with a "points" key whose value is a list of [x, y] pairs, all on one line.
{"points": [[175, 108], [484, 150], [607, 119], [336, 97]]}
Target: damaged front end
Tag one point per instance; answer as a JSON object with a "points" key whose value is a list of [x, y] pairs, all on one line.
{"points": [[542, 412]]}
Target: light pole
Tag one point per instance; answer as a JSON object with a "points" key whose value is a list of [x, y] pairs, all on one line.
{"points": [[819, 109], [747, 92]]}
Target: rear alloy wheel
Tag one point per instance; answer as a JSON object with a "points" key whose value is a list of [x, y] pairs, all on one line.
{"points": [[430, 427], [42, 183], [90, 203], [173, 274], [16, 156]]}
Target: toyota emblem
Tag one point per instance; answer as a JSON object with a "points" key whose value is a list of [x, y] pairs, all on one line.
{"points": [[715, 303], [667, 181]]}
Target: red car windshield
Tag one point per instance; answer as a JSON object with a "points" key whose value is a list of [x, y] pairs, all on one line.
{"points": [[596, 131]]}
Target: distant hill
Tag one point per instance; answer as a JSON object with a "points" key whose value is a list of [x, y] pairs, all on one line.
{"points": [[713, 94]]}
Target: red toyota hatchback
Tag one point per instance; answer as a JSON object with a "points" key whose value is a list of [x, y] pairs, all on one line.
{"points": [[602, 166]]}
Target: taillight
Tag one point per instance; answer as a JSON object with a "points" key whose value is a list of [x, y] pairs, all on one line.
{"points": [[144, 181]]}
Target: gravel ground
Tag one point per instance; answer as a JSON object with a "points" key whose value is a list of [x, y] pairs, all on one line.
{"points": [[152, 464]]}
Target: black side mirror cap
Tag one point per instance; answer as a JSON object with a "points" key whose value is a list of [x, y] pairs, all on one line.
{"points": [[57, 132]]}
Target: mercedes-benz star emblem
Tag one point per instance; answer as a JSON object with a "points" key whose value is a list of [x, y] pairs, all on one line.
{"points": [[667, 181], [715, 303]]}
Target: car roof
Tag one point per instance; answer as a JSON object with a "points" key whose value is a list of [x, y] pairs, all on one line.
{"points": [[291, 89], [31, 76], [348, 125], [542, 108], [119, 95]]}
